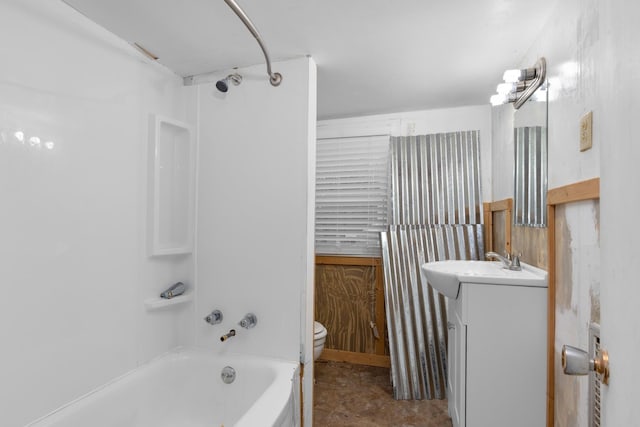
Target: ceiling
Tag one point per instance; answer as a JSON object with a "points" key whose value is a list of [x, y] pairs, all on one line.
{"points": [[373, 56]]}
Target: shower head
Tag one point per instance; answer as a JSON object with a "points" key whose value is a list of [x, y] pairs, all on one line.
{"points": [[223, 85]]}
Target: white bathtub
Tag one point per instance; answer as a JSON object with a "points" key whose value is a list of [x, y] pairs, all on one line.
{"points": [[183, 388]]}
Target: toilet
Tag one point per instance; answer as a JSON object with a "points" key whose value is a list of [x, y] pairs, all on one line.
{"points": [[319, 337]]}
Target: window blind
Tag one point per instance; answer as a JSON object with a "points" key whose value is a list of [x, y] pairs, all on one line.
{"points": [[352, 175]]}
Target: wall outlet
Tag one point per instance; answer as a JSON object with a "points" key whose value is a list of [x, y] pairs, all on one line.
{"points": [[586, 131], [411, 128]]}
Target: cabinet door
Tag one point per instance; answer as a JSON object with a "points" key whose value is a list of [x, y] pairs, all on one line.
{"points": [[505, 355], [451, 371], [457, 366]]}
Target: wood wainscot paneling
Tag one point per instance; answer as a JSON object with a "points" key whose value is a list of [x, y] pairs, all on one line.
{"points": [[349, 302], [581, 191], [530, 243]]}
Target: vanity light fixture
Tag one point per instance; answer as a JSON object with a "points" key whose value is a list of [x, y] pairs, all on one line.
{"points": [[519, 85]]}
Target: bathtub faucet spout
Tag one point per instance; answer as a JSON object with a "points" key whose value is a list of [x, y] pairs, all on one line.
{"points": [[231, 333]]}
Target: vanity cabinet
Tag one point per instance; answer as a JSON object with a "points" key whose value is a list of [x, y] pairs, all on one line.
{"points": [[457, 350], [497, 356]]}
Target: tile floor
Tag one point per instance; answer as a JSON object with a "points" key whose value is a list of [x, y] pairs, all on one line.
{"points": [[360, 396]]}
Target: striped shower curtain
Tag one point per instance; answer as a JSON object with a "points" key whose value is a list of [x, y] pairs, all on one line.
{"points": [[436, 214]]}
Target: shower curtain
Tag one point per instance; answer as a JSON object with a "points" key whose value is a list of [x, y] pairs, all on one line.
{"points": [[436, 214]]}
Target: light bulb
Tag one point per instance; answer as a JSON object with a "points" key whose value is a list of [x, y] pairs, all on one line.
{"points": [[34, 141], [505, 88], [498, 99], [512, 76]]}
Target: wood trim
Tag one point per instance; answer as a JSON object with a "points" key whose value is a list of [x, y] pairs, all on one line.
{"points": [[501, 205], [356, 358], [508, 221], [488, 227], [551, 313], [381, 317], [497, 206], [302, 395], [580, 191], [583, 190], [347, 260]]}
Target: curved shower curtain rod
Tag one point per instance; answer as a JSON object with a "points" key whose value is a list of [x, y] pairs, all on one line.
{"points": [[274, 78]]}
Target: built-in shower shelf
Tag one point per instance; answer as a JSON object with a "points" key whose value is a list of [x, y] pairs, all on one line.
{"points": [[157, 303], [171, 182]]}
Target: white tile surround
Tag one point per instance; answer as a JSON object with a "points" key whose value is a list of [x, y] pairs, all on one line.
{"points": [[74, 124], [73, 249], [255, 205]]}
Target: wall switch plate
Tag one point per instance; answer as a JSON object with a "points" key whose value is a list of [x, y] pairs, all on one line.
{"points": [[586, 131]]}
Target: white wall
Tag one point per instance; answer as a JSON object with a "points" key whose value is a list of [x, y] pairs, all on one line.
{"points": [[591, 48], [422, 123], [255, 205], [74, 266], [569, 42]]}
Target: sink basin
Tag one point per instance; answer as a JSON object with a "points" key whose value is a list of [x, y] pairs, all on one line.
{"points": [[446, 276]]}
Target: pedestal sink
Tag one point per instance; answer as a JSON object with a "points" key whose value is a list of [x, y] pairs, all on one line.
{"points": [[446, 276]]}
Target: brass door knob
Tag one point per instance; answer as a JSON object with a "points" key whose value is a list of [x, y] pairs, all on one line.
{"points": [[576, 361]]}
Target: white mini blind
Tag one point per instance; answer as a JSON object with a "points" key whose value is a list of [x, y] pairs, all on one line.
{"points": [[352, 180]]}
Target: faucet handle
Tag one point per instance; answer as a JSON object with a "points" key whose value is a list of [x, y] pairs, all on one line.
{"points": [[248, 321], [515, 261], [214, 318]]}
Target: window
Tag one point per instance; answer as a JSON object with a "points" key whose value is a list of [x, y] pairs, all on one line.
{"points": [[352, 175]]}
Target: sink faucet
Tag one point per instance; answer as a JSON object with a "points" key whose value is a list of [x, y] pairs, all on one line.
{"points": [[510, 262]]}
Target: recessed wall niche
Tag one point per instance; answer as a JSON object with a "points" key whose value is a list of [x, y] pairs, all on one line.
{"points": [[171, 187]]}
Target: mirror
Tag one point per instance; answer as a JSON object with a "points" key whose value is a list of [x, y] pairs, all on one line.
{"points": [[530, 166]]}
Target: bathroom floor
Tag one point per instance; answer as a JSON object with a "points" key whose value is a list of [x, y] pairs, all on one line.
{"points": [[356, 395]]}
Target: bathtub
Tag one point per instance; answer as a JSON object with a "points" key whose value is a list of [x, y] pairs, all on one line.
{"points": [[183, 388]]}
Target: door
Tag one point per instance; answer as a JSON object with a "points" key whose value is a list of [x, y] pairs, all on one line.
{"points": [[620, 291]]}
